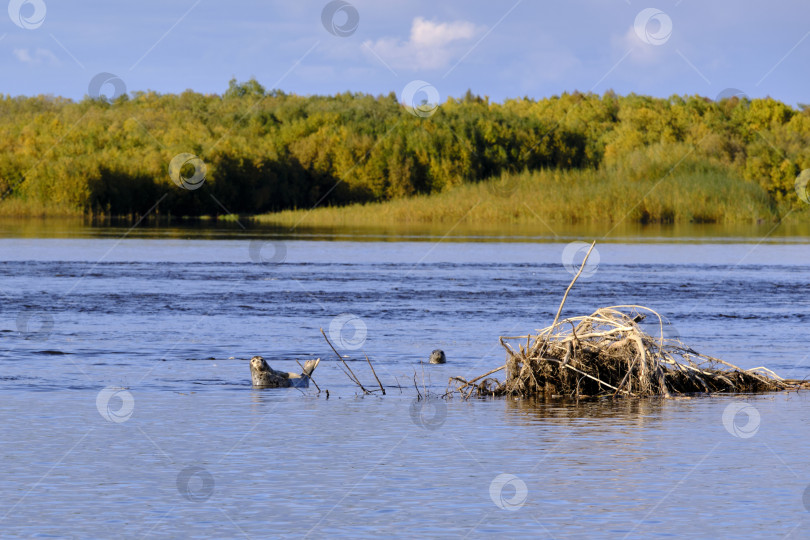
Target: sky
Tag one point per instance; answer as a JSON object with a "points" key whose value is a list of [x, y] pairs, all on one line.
{"points": [[505, 49]]}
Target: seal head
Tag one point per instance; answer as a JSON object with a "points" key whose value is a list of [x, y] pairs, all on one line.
{"points": [[438, 357]]}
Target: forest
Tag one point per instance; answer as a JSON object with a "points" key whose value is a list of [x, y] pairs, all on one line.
{"points": [[268, 151]]}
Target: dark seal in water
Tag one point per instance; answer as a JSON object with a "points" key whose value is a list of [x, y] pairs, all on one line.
{"points": [[438, 357], [264, 376]]}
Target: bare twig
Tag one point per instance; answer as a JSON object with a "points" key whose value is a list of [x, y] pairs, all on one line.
{"points": [[467, 383], [353, 377], [565, 296], [309, 376], [424, 388], [415, 385], [375, 374]]}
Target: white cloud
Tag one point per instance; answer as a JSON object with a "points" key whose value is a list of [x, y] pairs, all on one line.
{"points": [[39, 56], [432, 45], [640, 52], [23, 55]]}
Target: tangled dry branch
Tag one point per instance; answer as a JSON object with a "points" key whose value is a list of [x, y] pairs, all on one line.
{"points": [[608, 353]]}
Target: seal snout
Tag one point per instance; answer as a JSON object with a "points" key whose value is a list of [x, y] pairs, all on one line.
{"points": [[257, 362]]}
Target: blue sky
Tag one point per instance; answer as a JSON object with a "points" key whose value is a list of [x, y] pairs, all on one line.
{"points": [[500, 49]]}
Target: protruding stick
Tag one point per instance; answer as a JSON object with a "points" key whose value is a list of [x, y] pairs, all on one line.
{"points": [[418, 393], [375, 373], [310, 376], [353, 377], [496, 370], [565, 296]]}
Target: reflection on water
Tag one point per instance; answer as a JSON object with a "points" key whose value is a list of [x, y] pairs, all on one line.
{"points": [[637, 412], [230, 228]]}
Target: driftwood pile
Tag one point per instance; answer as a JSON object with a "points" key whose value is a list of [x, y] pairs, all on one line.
{"points": [[608, 353]]}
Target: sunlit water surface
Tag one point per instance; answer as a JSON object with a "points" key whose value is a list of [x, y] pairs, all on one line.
{"points": [[188, 448]]}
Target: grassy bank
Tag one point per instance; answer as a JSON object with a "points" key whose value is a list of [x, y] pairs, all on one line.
{"points": [[559, 197], [28, 208], [532, 199]]}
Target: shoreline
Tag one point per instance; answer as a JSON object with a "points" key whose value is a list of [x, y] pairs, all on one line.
{"points": [[539, 198], [164, 227]]}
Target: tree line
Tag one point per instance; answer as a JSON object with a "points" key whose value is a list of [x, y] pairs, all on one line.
{"points": [[267, 150]]}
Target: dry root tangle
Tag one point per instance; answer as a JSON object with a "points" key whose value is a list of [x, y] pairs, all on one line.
{"points": [[608, 353]]}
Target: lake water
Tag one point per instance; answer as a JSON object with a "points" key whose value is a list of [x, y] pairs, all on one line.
{"points": [[127, 410]]}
